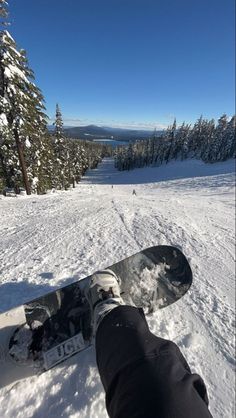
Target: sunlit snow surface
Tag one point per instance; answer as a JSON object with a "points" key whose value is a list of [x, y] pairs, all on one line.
{"points": [[51, 240]]}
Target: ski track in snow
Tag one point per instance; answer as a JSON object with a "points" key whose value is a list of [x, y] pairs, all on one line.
{"points": [[52, 240]]}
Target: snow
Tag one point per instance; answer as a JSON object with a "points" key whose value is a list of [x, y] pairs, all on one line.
{"points": [[12, 70], [27, 143], [7, 35], [35, 181], [21, 341], [3, 120], [51, 240]]}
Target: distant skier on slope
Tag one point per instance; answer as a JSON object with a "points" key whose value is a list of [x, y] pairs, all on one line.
{"points": [[134, 192], [144, 376]]}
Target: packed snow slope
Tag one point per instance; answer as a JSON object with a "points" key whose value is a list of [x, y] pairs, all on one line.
{"points": [[49, 241]]}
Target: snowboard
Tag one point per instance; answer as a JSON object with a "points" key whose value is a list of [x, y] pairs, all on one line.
{"points": [[42, 333]]}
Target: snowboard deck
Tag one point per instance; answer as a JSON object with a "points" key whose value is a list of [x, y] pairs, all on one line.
{"points": [[44, 332]]}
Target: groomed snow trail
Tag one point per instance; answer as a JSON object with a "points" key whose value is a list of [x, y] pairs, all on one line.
{"points": [[49, 241]]}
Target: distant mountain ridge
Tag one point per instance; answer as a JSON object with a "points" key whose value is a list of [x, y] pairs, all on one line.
{"points": [[91, 132]]}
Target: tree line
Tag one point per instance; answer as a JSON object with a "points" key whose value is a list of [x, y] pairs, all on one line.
{"points": [[204, 140], [30, 156]]}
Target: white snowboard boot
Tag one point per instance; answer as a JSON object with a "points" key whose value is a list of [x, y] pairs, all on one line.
{"points": [[103, 295]]}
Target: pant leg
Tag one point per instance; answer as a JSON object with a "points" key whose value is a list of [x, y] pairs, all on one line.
{"points": [[145, 376]]}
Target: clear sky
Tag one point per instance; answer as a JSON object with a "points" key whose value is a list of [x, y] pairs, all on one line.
{"points": [[131, 63]]}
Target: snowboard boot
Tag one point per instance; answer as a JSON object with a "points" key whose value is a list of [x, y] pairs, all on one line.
{"points": [[103, 295]]}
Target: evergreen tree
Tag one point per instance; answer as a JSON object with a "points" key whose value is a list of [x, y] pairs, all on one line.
{"points": [[181, 142], [231, 147], [153, 146], [208, 134], [221, 137], [61, 153], [21, 108], [195, 137], [218, 139], [171, 133], [3, 13], [228, 150], [58, 126]]}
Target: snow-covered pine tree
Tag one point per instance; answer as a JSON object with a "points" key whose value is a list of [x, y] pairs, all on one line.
{"points": [[3, 12], [21, 109], [45, 165], [208, 132], [58, 134], [84, 160], [13, 108], [95, 152], [142, 149], [170, 142], [157, 150], [120, 159], [181, 142], [61, 152], [134, 153], [145, 152], [130, 158], [36, 145], [5, 175], [137, 158], [219, 140], [149, 151], [153, 146], [195, 137], [230, 143], [221, 133], [75, 162]]}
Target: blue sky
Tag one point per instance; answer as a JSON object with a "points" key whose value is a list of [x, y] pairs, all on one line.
{"points": [[132, 63]]}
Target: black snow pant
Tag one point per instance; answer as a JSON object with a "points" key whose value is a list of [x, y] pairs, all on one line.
{"points": [[145, 376]]}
